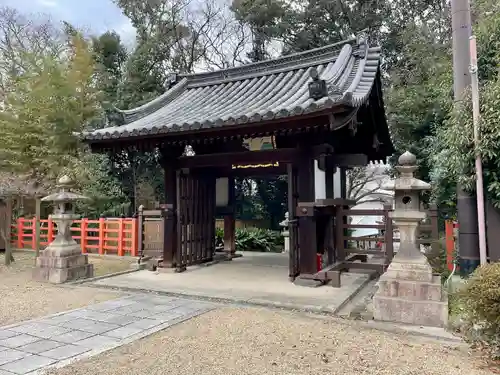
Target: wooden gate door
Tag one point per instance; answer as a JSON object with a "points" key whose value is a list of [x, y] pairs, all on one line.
{"points": [[196, 219], [293, 229], [151, 224]]}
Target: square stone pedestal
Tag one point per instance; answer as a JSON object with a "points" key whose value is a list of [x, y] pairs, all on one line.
{"points": [[58, 265], [409, 293]]}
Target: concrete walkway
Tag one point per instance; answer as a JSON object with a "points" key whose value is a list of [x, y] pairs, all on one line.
{"points": [[256, 278], [57, 340]]}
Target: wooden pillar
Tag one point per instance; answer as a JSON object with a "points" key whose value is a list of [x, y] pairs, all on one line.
{"points": [[140, 232], [293, 264], [9, 258], [307, 227], [170, 215], [329, 189], [343, 183], [388, 234], [230, 222], [330, 230], [433, 216]]}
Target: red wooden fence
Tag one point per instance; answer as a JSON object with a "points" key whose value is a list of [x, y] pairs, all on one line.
{"points": [[103, 236], [450, 243], [119, 236]]}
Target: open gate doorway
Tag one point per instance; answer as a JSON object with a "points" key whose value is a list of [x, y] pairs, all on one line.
{"points": [[182, 234]]}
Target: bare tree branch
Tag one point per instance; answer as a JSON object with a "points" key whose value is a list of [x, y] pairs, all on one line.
{"points": [[366, 182], [21, 35]]}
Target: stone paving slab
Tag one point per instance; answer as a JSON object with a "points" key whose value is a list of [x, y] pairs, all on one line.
{"points": [[57, 340]]}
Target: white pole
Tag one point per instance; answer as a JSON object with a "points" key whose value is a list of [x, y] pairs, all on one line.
{"points": [[479, 166]]}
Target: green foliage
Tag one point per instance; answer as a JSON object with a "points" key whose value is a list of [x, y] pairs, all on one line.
{"points": [[437, 259], [451, 148], [487, 30], [97, 183], [321, 22], [219, 237], [419, 100], [50, 101], [143, 78], [110, 56], [482, 298], [254, 239], [272, 197], [265, 19]]}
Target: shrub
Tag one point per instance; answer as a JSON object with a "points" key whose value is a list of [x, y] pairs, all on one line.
{"points": [[482, 298], [254, 239], [436, 255], [219, 237]]}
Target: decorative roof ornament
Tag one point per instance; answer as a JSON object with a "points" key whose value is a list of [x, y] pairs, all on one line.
{"points": [[362, 37], [317, 88], [114, 116], [170, 81]]}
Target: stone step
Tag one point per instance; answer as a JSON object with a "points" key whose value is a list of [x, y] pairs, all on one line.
{"points": [[412, 290], [58, 262], [425, 313], [61, 275]]}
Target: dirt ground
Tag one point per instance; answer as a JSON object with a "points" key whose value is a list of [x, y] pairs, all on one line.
{"points": [[23, 299], [259, 341]]}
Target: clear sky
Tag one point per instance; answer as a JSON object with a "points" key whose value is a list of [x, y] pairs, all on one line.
{"points": [[95, 16]]}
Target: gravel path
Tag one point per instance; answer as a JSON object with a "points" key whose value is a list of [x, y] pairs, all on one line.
{"points": [[258, 341], [22, 298]]}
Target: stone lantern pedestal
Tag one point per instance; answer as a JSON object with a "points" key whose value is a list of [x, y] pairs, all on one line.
{"points": [[409, 292], [63, 260]]}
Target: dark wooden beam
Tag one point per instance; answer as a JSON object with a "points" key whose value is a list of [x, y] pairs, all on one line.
{"points": [[341, 160], [284, 155], [350, 160], [279, 170]]}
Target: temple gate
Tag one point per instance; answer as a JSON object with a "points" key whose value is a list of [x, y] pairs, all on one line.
{"points": [[306, 115]]}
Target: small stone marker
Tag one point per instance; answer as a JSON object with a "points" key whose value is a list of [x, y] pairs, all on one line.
{"points": [[63, 260], [409, 292]]}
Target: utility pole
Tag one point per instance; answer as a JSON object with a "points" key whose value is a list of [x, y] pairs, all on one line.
{"points": [[479, 165], [468, 238]]}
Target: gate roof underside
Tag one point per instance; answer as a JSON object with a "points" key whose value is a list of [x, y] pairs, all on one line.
{"points": [[260, 93]]}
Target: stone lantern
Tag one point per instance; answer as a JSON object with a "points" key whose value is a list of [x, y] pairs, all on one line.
{"points": [[409, 292], [286, 233], [62, 260]]}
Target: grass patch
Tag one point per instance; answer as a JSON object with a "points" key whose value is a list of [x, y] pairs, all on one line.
{"points": [[108, 265]]}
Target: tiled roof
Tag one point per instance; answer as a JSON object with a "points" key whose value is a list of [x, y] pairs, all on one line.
{"points": [[252, 93]]}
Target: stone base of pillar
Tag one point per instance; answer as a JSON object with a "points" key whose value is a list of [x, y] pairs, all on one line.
{"points": [[59, 264], [409, 293], [286, 238], [230, 255]]}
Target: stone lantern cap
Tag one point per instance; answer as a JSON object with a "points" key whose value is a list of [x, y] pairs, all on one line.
{"points": [[65, 194], [407, 165]]}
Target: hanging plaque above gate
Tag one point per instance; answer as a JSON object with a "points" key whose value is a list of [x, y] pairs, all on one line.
{"points": [[258, 144]]}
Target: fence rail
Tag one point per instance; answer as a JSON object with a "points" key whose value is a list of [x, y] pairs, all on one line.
{"points": [[102, 236]]}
